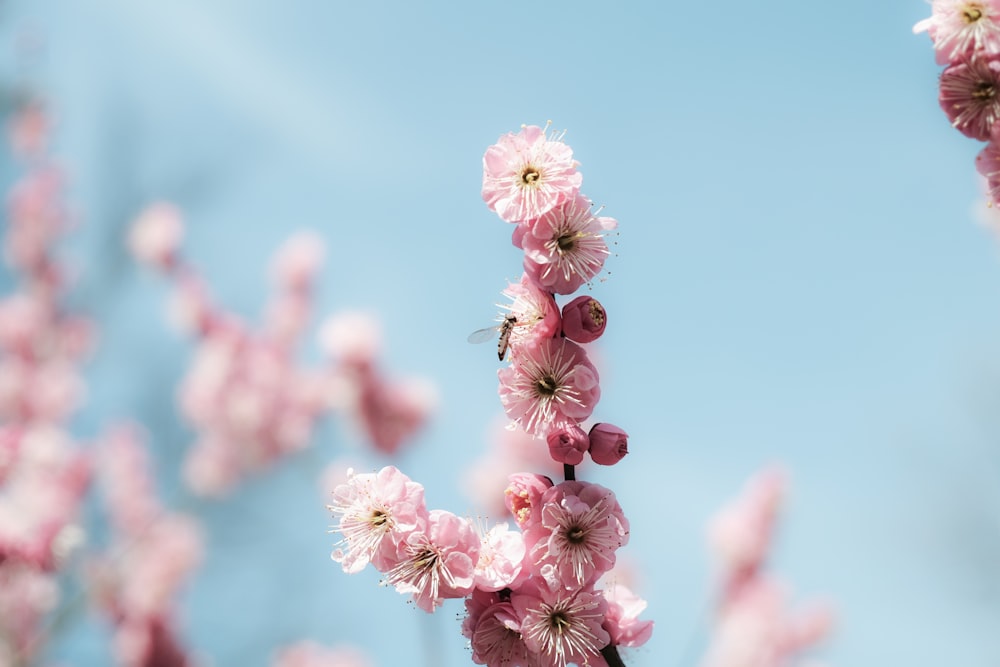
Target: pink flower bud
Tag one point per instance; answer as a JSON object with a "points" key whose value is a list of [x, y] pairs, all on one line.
{"points": [[583, 319], [608, 444], [567, 444], [523, 494]]}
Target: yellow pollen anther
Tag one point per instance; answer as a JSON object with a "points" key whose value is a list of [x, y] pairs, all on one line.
{"points": [[530, 175], [984, 91], [972, 13]]}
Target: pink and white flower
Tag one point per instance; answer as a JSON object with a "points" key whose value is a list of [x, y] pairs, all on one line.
{"points": [[959, 28], [527, 174], [376, 511], [561, 625], [535, 311], [549, 383], [501, 556], [436, 561], [496, 638], [581, 527], [523, 496], [565, 247], [622, 620]]}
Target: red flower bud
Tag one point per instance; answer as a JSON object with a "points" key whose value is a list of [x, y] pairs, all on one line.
{"points": [[583, 319], [568, 444], [608, 444]]}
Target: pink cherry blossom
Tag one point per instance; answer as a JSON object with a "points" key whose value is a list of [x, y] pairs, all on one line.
{"points": [[535, 312], [959, 28], [583, 319], [526, 174], [561, 625], [608, 444], [549, 383], [496, 638], [375, 511], [622, 620], [436, 561], [970, 96], [565, 247], [581, 527], [501, 556], [523, 496]]}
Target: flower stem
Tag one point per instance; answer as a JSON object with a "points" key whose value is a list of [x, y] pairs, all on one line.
{"points": [[569, 472], [610, 654]]}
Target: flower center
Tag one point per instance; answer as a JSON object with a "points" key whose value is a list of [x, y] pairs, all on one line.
{"points": [[546, 386], [972, 13], [530, 175], [559, 621], [984, 91], [566, 242], [425, 560], [576, 535], [378, 518]]}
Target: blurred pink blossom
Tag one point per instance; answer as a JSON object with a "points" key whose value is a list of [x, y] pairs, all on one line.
{"points": [[757, 629], [156, 235], [312, 654]]}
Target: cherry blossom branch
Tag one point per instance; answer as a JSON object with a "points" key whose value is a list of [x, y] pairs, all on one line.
{"points": [[533, 596]]}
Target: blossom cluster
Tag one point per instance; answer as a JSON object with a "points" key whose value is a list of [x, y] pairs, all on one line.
{"points": [[245, 393], [531, 594], [538, 596], [44, 471], [148, 552], [754, 625], [966, 37], [530, 179], [152, 554]]}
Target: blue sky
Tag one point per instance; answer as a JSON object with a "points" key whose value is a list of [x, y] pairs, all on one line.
{"points": [[799, 278]]}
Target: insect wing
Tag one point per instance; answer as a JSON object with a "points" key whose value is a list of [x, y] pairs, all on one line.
{"points": [[483, 335]]}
